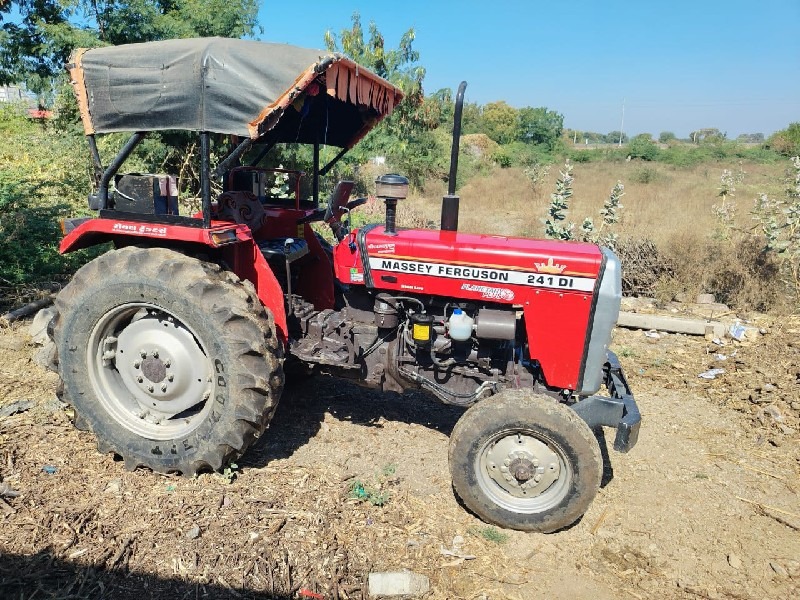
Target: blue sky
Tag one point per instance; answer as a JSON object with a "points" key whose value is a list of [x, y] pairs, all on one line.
{"points": [[678, 65]]}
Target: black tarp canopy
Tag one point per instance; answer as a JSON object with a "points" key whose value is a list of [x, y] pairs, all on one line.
{"points": [[264, 91]]}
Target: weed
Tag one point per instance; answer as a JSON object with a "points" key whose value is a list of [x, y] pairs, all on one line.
{"points": [[700, 476], [492, 534], [627, 352], [230, 473], [389, 470], [646, 175]]}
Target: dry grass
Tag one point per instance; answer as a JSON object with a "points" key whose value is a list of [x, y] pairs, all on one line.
{"points": [[670, 206]]}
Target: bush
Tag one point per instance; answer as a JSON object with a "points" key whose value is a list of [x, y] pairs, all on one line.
{"points": [[786, 141], [642, 146]]}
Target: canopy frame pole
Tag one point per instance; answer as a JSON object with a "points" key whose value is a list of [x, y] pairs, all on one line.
{"points": [[235, 154], [130, 145], [262, 153], [334, 160], [205, 177], [315, 182], [97, 164]]}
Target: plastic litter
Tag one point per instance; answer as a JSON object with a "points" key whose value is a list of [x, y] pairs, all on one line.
{"points": [[652, 334], [720, 357], [49, 469], [737, 331], [711, 373]]}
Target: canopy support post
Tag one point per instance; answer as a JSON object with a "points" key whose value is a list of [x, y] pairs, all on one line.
{"points": [[315, 182], [262, 153], [235, 154], [100, 202], [329, 166], [205, 177], [96, 162]]}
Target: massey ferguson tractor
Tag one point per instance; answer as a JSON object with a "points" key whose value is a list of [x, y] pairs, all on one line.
{"points": [[171, 346]]}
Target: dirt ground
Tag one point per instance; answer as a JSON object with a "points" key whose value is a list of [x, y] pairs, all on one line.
{"points": [[705, 506]]}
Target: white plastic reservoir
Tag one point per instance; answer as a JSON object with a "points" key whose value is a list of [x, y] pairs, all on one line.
{"points": [[460, 325]]}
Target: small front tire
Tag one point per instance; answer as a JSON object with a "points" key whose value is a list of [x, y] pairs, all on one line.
{"points": [[523, 461]]}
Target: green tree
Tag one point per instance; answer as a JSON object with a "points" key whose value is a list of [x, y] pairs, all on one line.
{"points": [[642, 146], [786, 141], [539, 126], [666, 136], [35, 47], [406, 136], [499, 121], [613, 137]]}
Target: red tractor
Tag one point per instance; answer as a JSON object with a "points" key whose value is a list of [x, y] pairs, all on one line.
{"points": [[171, 347]]}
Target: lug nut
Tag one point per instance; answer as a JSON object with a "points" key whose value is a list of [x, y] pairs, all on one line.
{"points": [[150, 388], [164, 387], [140, 379], [142, 353], [537, 478], [155, 353], [170, 377], [168, 363], [136, 364]]}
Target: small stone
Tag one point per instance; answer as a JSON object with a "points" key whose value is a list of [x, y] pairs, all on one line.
{"points": [[705, 299], [38, 327], [795, 405], [734, 561], [18, 406], [114, 486], [779, 570], [769, 388], [398, 583], [773, 412], [253, 536], [193, 533]]}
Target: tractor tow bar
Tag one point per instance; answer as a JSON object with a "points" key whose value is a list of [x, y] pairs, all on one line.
{"points": [[617, 410]]}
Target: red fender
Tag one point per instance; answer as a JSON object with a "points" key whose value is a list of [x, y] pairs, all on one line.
{"points": [[234, 241]]}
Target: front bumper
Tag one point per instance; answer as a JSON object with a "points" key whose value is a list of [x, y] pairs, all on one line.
{"points": [[616, 410]]}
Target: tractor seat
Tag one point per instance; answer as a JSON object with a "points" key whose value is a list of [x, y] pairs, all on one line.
{"points": [[276, 248]]}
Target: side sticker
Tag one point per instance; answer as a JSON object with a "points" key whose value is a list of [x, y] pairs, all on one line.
{"points": [[560, 282]]}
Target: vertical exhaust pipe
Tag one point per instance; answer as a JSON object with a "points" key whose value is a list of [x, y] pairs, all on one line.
{"points": [[450, 202]]}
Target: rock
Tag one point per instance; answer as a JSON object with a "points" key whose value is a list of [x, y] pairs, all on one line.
{"points": [[114, 486], [769, 388], [734, 561], [398, 583], [705, 299], [45, 356], [18, 406], [38, 328], [773, 412], [795, 405], [779, 570], [193, 533]]}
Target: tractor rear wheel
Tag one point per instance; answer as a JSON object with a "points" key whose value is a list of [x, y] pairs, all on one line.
{"points": [[171, 361], [524, 461]]}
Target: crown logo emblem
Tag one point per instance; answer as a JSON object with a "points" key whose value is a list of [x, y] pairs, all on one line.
{"points": [[550, 267]]}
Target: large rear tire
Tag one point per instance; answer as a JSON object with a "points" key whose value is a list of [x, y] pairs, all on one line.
{"points": [[171, 361], [524, 461]]}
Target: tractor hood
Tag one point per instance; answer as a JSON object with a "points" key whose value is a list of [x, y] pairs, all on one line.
{"points": [[239, 87], [463, 264]]}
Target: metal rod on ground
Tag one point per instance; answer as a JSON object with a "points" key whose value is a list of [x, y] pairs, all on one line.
{"points": [[26, 311]]}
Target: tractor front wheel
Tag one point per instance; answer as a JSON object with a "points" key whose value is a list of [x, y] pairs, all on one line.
{"points": [[171, 361], [524, 461]]}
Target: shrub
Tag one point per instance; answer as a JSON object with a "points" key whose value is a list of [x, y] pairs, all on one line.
{"points": [[786, 141], [642, 146]]}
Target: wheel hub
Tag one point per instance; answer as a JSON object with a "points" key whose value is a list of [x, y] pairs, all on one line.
{"points": [[521, 465], [162, 366], [154, 370]]}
